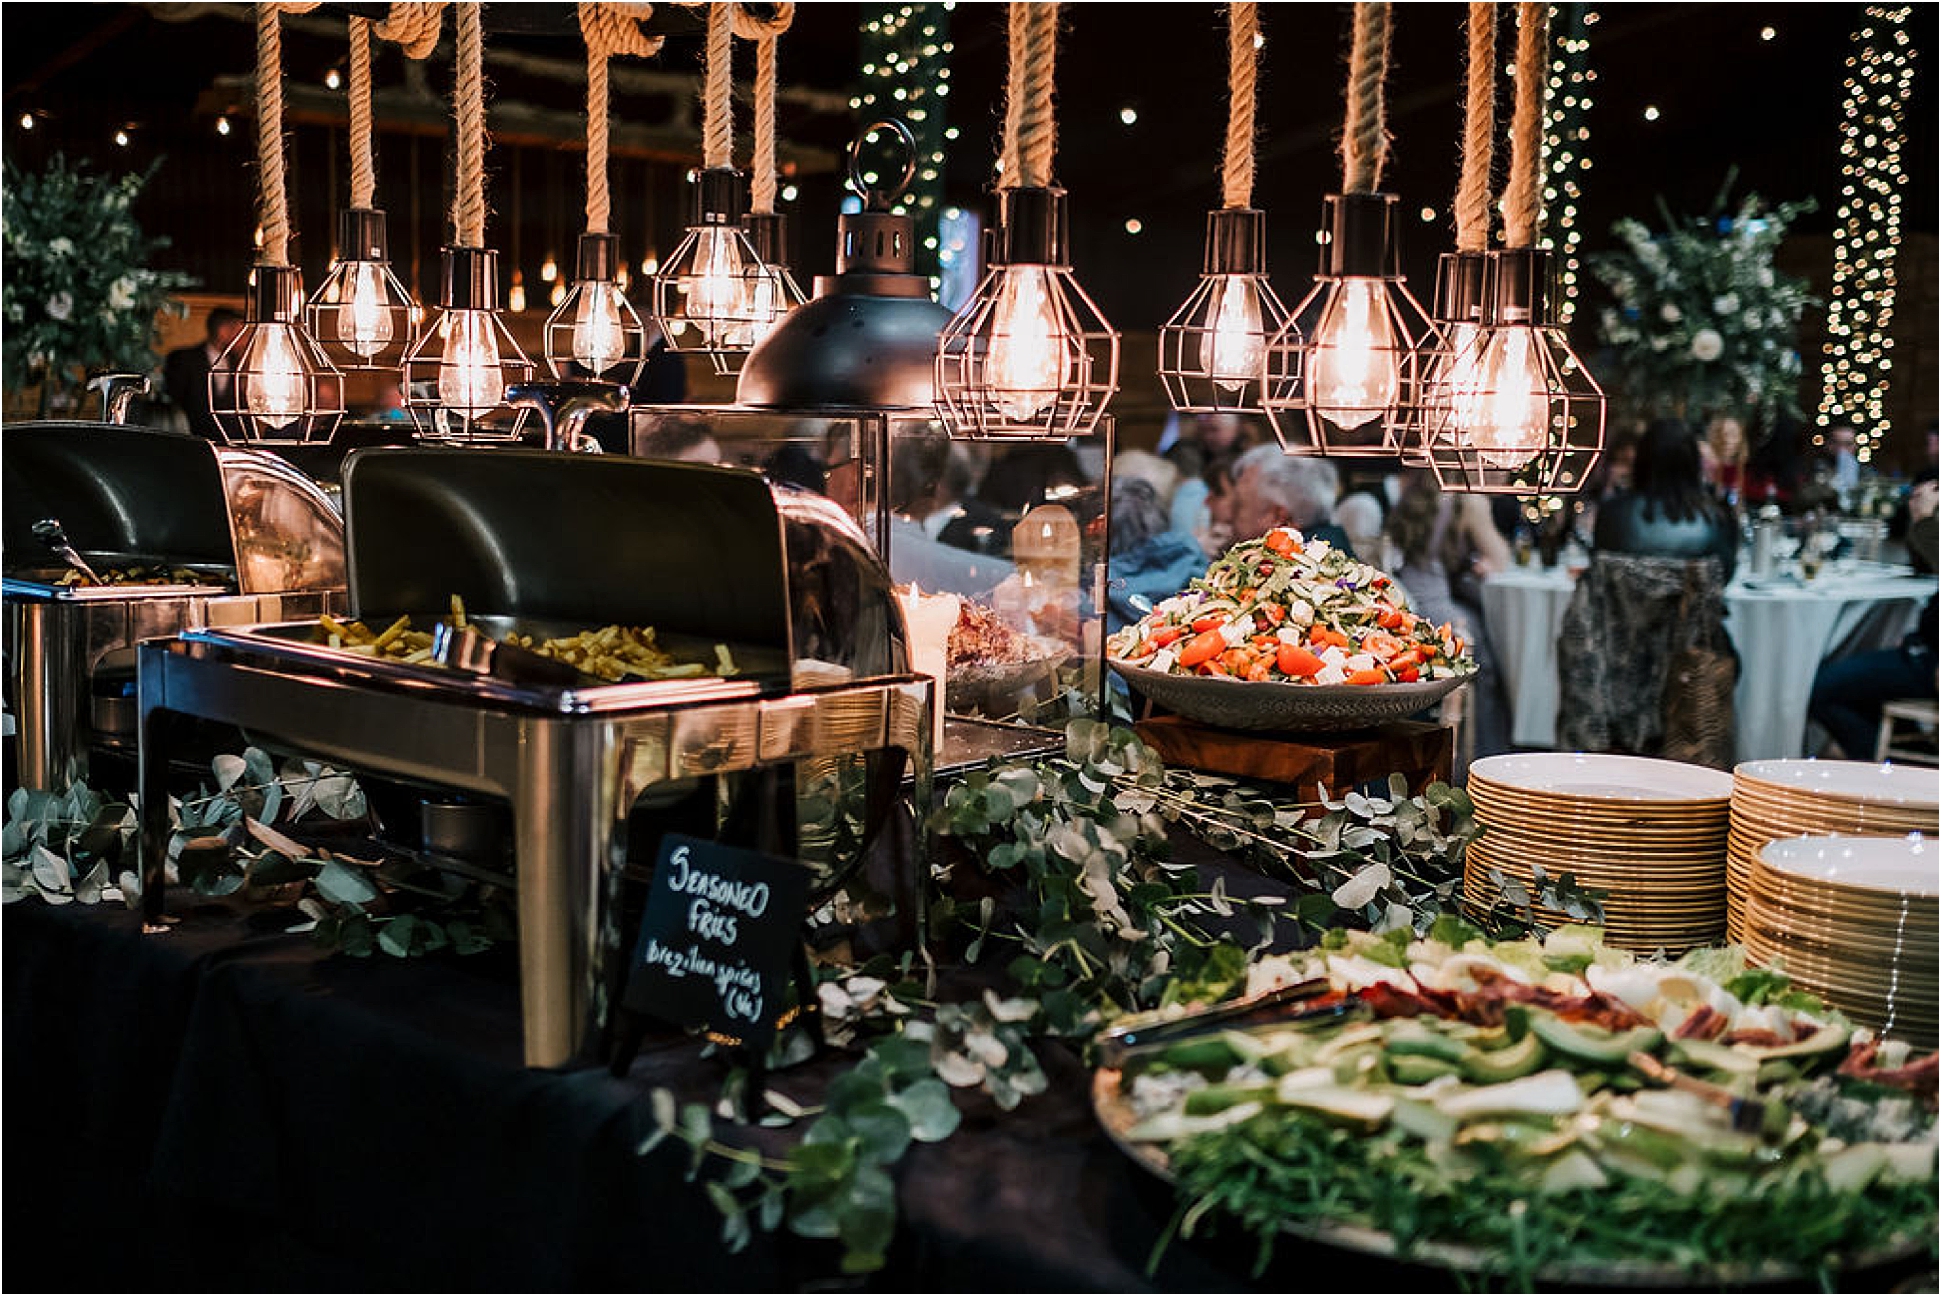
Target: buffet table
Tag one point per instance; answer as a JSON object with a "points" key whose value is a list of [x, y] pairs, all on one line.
{"points": [[227, 1108], [1783, 629]]}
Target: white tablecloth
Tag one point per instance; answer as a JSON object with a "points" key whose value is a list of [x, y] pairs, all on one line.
{"points": [[1783, 630]]}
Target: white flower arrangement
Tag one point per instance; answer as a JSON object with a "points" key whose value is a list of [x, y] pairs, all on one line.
{"points": [[79, 293], [1702, 322]]}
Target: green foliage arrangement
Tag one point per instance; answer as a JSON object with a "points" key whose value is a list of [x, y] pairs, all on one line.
{"points": [[79, 293], [1702, 322]]}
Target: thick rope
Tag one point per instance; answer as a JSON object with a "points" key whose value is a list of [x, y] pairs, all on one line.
{"points": [[1521, 210], [1478, 131], [751, 25], [363, 169], [609, 29], [762, 183], [1364, 134], [1030, 127], [1243, 57], [468, 203], [271, 212], [414, 25], [717, 106]]}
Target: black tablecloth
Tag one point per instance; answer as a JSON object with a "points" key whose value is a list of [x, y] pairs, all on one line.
{"points": [[225, 1108]]}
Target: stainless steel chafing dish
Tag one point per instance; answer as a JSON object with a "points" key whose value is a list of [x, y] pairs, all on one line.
{"points": [[259, 539], [704, 555]]}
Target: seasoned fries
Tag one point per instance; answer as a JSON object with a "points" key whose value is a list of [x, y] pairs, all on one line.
{"points": [[613, 653]]}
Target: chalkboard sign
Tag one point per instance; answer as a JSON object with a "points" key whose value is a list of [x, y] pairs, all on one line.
{"points": [[718, 938]]}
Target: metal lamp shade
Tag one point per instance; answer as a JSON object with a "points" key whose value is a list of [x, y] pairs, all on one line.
{"points": [[457, 372], [1212, 352], [1519, 415], [274, 385], [361, 314], [595, 332]]}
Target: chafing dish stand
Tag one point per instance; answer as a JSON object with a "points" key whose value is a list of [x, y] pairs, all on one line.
{"points": [[570, 761], [263, 540]]}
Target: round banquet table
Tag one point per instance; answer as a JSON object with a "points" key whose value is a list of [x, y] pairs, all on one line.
{"points": [[1783, 629]]}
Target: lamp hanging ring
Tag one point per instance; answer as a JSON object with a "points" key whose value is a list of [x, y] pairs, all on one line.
{"points": [[881, 198]]}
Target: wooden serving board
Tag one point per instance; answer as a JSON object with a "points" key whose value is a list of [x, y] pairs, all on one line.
{"points": [[1339, 762]]}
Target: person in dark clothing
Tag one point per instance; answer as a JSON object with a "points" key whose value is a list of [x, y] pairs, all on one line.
{"points": [[1668, 512], [1848, 692], [185, 371]]}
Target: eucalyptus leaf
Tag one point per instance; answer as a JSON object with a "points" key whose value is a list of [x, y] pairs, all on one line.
{"points": [[343, 885], [51, 872], [88, 890], [229, 770], [927, 1106], [340, 797]]}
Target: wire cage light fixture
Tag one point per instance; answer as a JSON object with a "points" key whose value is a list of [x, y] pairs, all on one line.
{"points": [[273, 383], [1345, 377], [1212, 352], [1029, 357], [457, 372]]}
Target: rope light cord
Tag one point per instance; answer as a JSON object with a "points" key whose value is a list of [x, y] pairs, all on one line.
{"points": [[1030, 127], [1243, 59], [1479, 131], [609, 29], [1364, 134], [414, 25], [763, 29], [363, 169], [468, 203], [1522, 212], [717, 108], [271, 205]]}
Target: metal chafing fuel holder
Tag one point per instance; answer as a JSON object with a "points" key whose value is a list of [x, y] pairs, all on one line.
{"points": [[539, 539], [262, 539]]}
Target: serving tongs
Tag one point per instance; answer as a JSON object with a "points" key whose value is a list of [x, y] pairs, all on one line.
{"points": [[1284, 1006], [51, 533], [464, 649]]}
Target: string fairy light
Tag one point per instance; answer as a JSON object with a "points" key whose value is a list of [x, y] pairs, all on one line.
{"points": [[1566, 143], [906, 51], [1860, 309]]}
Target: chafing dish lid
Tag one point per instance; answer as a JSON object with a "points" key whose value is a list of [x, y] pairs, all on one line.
{"points": [[116, 490], [588, 539]]}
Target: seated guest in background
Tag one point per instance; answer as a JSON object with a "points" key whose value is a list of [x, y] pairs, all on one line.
{"points": [[1198, 439], [1148, 467], [930, 483], [1725, 454], [1150, 561], [1668, 513], [1363, 509], [185, 371], [1022, 477], [1848, 693], [1840, 446], [684, 438], [1272, 488], [1772, 471]]}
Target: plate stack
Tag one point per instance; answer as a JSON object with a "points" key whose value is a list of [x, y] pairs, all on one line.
{"points": [[1796, 798], [1854, 920], [1650, 832]]}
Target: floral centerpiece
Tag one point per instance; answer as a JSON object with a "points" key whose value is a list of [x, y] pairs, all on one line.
{"points": [[1701, 321], [79, 293]]}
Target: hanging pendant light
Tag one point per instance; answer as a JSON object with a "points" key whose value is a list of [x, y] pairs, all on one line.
{"points": [[1213, 351], [273, 383], [773, 297], [1345, 377], [1029, 357], [714, 295], [1517, 412], [868, 339], [457, 373], [594, 331], [360, 314]]}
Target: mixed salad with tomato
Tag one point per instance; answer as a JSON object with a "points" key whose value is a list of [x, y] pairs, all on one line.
{"points": [[1285, 610]]}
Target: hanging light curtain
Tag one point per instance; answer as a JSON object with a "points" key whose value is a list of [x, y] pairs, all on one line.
{"points": [[595, 332], [274, 383], [1028, 357], [1517, 412], [360, 314], [1213, 351], [457, 373], [1345, 377]]}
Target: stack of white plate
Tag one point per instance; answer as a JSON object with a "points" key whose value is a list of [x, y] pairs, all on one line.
{"points": [[1854, 920], [1794, 798], [1651, 833]]}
